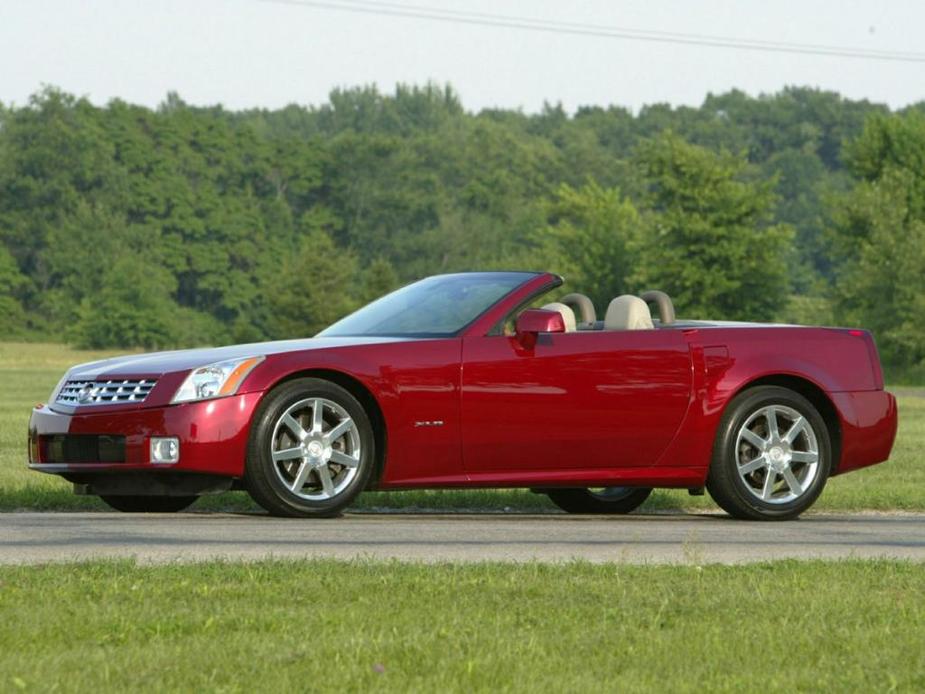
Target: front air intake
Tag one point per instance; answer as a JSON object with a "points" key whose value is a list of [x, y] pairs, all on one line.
{"points": [[82, 448]]}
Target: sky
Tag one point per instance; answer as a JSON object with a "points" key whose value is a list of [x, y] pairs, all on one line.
{"points": [[255, 53]]}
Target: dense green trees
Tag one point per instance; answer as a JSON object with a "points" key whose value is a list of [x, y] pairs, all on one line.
{"points": [[314, 286], [124, 226], [12, 284], [709, 242], [129, 307], [590, 238], [880, 237]]}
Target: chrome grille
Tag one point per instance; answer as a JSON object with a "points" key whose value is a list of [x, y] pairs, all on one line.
{"points": [[105, 392]]}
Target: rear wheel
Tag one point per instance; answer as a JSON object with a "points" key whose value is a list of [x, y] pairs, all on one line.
{"points": [[772, 455], [149, 504], [600, 499], [311, 450]]}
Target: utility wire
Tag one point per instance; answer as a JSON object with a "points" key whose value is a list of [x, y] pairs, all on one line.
{"points": [[391, 9], [641, 33]]}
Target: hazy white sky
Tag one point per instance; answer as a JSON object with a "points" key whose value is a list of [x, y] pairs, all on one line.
{"points": [[244, 53]]}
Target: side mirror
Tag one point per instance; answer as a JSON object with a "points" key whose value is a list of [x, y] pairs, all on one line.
{"points": [[534, 321]]}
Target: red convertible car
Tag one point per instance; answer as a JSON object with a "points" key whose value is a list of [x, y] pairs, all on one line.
{"points": [[459, 381]]}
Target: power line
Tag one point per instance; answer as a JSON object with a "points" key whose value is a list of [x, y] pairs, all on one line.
{"points": [[577, 29], [640, 33]]}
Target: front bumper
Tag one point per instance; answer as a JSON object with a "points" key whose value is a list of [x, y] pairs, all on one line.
{"points": [[213, 436]]}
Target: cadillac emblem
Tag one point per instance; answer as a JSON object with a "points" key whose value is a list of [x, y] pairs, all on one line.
{"points": [[86, 394]]}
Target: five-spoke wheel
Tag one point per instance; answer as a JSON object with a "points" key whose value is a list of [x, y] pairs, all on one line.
{"points": [[772, 455], [311, 449]]}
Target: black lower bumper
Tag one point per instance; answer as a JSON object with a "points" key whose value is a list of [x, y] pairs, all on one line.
{"points": [[150, 484]]}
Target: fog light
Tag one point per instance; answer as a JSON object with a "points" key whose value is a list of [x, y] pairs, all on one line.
{"points": [[165, 451]]}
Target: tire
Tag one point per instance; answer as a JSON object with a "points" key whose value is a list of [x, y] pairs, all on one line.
{"points": [[304, 465], [768, 467], [605, 500], [149, 504]]}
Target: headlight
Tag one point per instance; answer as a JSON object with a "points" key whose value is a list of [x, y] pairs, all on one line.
{"points": [[215, 380]]}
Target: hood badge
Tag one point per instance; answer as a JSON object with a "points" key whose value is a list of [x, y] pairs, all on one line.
{"points": [[429, 423]]}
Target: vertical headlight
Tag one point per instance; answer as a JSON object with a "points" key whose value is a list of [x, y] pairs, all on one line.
{"points": [[215, 380]]}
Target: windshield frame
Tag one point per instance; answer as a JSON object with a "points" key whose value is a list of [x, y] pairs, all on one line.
{"points": [[528, 277]]}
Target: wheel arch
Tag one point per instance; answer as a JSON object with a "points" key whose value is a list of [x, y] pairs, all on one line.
{"points": [[816, 395], [361, 392]]}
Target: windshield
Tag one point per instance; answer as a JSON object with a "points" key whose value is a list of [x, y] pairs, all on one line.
{"points": [[438, 306]]}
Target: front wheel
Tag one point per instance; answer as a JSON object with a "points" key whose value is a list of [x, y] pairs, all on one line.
{"points": [[772, 455], [149, 504], [600, 500], [310, 451]]}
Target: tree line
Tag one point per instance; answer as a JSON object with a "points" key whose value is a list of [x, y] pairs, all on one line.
{"points": [[124, 226]]}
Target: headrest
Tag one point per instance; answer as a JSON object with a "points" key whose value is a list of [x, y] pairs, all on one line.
{"points": [[628, 312]]}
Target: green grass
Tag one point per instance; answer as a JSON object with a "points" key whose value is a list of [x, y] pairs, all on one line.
{"points": [[29, 371], [369, 626]]}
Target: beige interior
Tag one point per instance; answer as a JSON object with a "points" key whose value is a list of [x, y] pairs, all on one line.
{"points": [[628, 312], [568, 315]]}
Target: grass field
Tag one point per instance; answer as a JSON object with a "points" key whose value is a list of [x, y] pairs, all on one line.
{"points": [[28, 372], [358, 626]]}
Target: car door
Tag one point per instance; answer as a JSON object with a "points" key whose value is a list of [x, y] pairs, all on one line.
{"points": [[594, 399]]}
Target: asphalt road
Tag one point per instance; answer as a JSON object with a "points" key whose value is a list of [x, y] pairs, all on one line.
{"points": [[44, 537]]}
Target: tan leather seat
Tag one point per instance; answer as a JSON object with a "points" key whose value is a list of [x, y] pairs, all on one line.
{"points": [[568, 315], [628, 312]]}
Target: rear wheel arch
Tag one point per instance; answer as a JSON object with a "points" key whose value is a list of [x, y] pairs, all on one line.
{"points": [[816, 396], [366, 398]]}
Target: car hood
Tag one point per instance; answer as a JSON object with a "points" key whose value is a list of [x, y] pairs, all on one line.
{"points": [[154, 364]]}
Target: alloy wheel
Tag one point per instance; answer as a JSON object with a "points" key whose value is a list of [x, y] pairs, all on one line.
{"points": [[777, 454], [315, 449]]}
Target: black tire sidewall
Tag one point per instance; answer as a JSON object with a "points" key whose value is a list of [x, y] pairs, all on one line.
{"points": [[583, 500], [148, 504], [260, 477], [724, 482]]}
